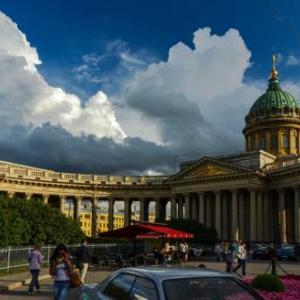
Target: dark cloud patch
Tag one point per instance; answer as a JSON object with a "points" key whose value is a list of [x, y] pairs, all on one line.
{"points": [[54, 148]]}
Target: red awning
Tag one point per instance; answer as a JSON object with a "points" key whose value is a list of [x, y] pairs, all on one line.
{"points": [[141, 230]]}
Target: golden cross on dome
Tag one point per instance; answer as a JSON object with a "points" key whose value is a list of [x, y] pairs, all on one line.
{"points": [[274, 72]]}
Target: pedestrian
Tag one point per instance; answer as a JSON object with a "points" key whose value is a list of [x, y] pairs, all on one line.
{"points": [[187, 251], [241, 255], [234, 250], [35, 260], [83, 259], [218, 251], [182, 251], [228, 259], [61, 269]]}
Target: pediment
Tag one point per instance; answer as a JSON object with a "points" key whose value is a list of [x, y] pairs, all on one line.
{"points": [[207, 167]]}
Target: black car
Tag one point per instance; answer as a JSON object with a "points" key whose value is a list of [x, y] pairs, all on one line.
{"points": [[263, 252]]}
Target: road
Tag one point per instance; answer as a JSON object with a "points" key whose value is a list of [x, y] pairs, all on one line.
{"points": [[253, 268]]}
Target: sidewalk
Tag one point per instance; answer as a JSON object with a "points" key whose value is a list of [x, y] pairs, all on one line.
{"points": [[14, 281]]}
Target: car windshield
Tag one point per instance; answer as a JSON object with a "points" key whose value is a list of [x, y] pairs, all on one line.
{"points": [[206, 289]]}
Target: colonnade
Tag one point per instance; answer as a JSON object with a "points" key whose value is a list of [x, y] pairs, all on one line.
{"points": [[58, 201], [241, 213], [247, 214]]}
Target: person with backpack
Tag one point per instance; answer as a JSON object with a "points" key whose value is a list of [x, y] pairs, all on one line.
{"points": [[35, 260]]}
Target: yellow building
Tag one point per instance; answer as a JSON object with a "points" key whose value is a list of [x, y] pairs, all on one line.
{"points": [[85, 219]]}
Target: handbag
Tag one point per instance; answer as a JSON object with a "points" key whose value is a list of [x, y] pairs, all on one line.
{"points": [[75, 280]]}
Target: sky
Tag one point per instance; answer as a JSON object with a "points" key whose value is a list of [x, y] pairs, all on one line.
{"points": [[135, 87]]}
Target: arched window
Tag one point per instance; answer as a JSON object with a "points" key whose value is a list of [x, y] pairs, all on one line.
{"points": [[285, 141], [274, 141], [262, 143]]}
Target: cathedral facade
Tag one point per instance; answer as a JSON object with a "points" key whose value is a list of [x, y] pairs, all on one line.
{"points": [[254, 195]]}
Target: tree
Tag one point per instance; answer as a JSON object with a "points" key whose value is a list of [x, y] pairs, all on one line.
{"points": [[29, 222], [202, 234]]}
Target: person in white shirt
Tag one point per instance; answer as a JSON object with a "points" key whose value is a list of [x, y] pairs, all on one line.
{"points": [[241, 255]]}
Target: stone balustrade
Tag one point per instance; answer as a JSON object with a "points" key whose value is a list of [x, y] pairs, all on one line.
{"points": [[20, 171]]}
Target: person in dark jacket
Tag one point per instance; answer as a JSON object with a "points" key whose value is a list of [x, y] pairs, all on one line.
{"points": [[83, 259]]}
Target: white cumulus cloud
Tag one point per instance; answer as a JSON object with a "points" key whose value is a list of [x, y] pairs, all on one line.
{"points": [[198, 95], [27, 98]]}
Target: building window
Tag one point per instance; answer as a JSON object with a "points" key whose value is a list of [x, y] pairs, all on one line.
{"points": [[285, 141], [274, 141], [262, 144]]}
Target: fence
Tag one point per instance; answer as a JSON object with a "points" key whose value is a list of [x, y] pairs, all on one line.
{"points": [[16, 258]]}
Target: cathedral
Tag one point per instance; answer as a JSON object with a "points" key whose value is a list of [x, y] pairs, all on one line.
{"points": [[254, 195]]}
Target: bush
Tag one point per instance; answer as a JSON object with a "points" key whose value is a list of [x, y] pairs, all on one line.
{"points": [[267, 282], [29, 222]]}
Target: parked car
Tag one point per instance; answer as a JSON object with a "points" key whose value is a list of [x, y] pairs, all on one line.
{"points": [[263, 252], [289, 252], [166, 283]]}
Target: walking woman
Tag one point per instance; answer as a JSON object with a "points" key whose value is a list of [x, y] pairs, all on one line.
{"points": [[60, 269], [35, 260]]}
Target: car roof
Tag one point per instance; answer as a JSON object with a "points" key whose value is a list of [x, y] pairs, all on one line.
{"points": [[173, 272]]}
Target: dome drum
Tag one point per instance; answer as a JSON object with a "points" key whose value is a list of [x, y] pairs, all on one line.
{"points": [[273, 122]]}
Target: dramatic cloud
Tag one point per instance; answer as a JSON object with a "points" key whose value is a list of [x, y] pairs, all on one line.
{"points": [[198, 95], [26, 98], [195, 101], [54, 148]]}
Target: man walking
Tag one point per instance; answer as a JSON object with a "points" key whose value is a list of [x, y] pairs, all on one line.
{"points": [[35, 260], [83, 258], [241, 255]]}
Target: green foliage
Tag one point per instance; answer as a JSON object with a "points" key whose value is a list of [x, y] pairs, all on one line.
{"points": [[29, 222], [267, 282], [202, 234]]}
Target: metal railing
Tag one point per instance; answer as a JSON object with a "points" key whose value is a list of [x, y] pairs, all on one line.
{"points": [[13, 258]]}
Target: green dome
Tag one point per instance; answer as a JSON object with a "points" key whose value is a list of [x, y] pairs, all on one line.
{"points": [[274, 97]]}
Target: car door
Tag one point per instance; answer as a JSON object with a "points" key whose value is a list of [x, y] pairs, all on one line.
{"points": [[119, 287], [144, 289]]}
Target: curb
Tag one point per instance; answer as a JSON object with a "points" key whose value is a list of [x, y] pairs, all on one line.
{"points": [[8, 286]]}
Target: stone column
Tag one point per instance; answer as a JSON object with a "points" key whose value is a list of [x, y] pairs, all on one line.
{"points": [[259, 219], [94, 217], [282, 215], [45, 199], [208, 220], [241, 215], [127, 212], [111, 203], [142, 210], [218, 213], [253, 215], [201, 207], [173, 207], [180, 208], [194, 208], [157, 209], [77, 207], [187, 205], [266, 219], [28, 196], [225, 219], [297, 213], [234, 216]]}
